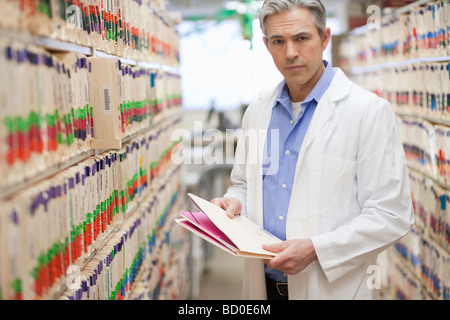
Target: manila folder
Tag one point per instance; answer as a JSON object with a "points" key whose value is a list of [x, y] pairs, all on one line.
{"points": [[239, 236]]}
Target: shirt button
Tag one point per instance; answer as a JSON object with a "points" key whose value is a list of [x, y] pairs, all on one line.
{"points": [[281, 218], [292, 121], [288, 152], [284, 186]]}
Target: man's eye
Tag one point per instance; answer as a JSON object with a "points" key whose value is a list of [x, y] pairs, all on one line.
{"points": [[300, 39], [277, 42]]}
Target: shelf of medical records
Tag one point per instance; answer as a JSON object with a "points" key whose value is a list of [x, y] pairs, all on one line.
{"points": [[130, 211], [425, 147], [413, 34], [51, 44], [418, 261], [418, 114], [423, 255], [154, 189], [394, 12], [427, 175], [390, 13], [59, 45], [140, 277], [398, 260], [396, 64], [157, 63], [410, 37], [143, 275], [142, 64], [9, 191], [415, 269]]}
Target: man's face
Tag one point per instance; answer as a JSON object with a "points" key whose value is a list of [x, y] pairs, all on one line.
{"points": [[295, 45]]}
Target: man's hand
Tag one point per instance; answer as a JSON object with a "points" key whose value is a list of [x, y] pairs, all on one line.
{"points": [[293, 256], [232, 206]]}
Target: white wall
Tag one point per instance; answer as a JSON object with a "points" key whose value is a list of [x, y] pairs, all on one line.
{"points": [[217, 64]]}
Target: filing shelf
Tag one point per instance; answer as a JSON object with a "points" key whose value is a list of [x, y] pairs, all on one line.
{"points": [[54, 45], [406, 281]]}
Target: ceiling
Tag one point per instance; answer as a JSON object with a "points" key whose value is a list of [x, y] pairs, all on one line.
{"points": [[194, 8], [207, 9], [210, 8]]}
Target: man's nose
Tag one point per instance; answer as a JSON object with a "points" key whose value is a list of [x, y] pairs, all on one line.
{"points": [[291, 50]]}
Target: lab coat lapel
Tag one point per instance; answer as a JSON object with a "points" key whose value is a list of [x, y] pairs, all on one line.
{"points": [[262, 121], [254, 279], [339, 88]]}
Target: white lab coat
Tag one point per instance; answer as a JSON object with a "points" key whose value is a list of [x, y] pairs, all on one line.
{"points": [[351, 192]]}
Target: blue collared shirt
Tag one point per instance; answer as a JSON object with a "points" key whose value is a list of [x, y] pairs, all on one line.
{"points": [[284, 139]]}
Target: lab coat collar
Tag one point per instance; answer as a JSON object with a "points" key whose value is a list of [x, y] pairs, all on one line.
{"points": [[339, 88], [316, 93]]}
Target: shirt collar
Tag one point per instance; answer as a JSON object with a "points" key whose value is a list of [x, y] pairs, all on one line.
{"points": [[316, 93]]}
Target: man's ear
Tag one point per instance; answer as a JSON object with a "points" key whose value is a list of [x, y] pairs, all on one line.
{"points": [[266, 42], [326, 39]]}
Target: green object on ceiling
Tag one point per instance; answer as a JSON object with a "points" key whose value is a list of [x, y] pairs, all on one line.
{"points": [[245, 19]]}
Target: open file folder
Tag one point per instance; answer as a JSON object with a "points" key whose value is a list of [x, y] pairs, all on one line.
{"points": [[238, 236]]}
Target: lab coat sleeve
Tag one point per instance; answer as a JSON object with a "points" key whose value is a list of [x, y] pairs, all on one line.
{"points": [[238, 177], [383, 194]]}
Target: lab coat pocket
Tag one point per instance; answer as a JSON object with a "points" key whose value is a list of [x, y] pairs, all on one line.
{"points": [[330, 186]]}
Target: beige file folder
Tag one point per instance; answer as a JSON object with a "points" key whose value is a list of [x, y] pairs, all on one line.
{"points": [[105, 103], [239, 236]]}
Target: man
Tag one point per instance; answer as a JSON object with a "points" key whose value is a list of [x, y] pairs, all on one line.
{"points": [[330, 178]]}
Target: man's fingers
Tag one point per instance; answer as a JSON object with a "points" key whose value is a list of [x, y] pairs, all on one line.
{"points": [[218, 202], [277, 261], [231, 206], [234, 209], [293, 256]]}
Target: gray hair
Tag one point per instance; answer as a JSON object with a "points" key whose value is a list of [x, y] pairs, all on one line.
{"points": [[271, 7]]}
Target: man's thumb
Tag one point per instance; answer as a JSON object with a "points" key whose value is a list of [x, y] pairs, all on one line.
{"points": [[276, 248]]}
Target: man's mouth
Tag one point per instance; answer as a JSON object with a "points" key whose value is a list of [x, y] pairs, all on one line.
{"points": [[295, 68]]}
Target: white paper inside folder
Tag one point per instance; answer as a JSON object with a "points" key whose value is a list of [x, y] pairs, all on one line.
{"points": [[246, 235]]}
